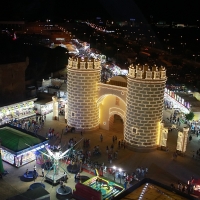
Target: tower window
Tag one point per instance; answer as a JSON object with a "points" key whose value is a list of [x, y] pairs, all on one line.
{"points": [[134, 130], [73, 114]]}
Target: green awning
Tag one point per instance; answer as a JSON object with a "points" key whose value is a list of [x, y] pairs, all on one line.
{"points": [[16, 140]]}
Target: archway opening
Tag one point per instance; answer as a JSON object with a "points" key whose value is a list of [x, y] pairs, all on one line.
{"points": [[116, 124]]}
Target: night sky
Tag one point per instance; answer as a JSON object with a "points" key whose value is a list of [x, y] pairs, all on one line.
{"points": [[115, 9]]}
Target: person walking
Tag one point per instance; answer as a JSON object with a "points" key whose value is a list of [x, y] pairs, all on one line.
{"points": [[107, 149], [42, 172], [27, 172], [34, 169], [66, 178], [119, 144], [190, 138], [101, 138]]}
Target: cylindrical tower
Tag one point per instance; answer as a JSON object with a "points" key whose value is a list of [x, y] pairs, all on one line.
{"points": [[83, 77], [144, 111]]}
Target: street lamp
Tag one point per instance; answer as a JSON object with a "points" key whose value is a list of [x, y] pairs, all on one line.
{"points": [[119, 170]]}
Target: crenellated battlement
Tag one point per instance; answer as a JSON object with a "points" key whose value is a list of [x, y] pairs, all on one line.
{"points": [[146, 72], [84, 63]]}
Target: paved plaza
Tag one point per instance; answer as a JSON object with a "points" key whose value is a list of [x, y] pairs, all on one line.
{"points": [[160, 163]]}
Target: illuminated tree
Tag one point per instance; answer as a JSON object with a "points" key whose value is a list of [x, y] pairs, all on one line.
{"points": [[189, 116]]}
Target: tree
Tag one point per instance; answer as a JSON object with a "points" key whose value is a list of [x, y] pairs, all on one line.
{"points": [[189, 116]]}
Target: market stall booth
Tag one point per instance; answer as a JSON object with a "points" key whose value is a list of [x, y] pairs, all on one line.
{"points": [[44, 108], [177, 101], [18, 146], [44, 104], [17, 111]]}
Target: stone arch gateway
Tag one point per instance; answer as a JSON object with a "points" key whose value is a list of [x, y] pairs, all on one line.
{"points": [[138, 100]]}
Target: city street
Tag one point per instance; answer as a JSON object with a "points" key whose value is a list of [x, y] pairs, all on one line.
{"points": [[160, 164]]}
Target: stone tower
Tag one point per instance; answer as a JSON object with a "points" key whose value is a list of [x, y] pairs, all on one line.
{"points": [[144, 111], [83, 77]]}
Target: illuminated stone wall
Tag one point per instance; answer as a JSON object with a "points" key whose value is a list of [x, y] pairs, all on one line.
{"points": [[144, 109], [83, 78]]}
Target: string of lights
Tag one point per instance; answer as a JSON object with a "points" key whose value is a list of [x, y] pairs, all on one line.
{"points": [[98, 28]]}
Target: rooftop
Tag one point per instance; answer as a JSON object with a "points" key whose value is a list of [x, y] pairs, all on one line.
{"points": [[118, 81], [16, 140], [195, 103]]}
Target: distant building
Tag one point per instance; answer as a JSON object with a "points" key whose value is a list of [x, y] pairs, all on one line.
{"points": [[12, 82]]}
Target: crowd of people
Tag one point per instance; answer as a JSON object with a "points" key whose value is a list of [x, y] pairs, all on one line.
{"points": [[86, 143], [183, 187], [34, 124], [86, 155]]}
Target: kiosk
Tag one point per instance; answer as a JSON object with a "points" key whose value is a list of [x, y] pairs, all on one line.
{"points": [[19, 146]]}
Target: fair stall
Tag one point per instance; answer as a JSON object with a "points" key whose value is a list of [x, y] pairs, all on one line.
{"points": [[17, 111], [13, 148], [173, 100], [43, 108]]}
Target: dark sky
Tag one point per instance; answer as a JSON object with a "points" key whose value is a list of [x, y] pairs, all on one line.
{"points": [[117, 9], [171, 10]]}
